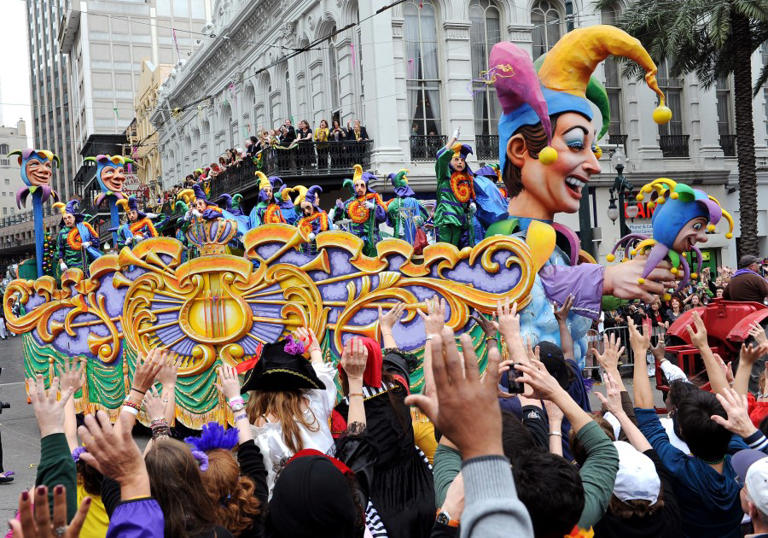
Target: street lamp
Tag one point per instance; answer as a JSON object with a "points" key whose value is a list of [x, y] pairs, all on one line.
{"points": [[622, 189]]}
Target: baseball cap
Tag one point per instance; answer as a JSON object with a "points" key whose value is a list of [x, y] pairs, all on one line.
{"points": [[747, 260], [757, 484], [637, 478], [742, 460]]}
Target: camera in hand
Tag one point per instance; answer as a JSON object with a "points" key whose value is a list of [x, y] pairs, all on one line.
{"points": [[510, 379]]}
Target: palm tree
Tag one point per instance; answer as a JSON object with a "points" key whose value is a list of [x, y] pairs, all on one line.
{"points": [[713, 39]]}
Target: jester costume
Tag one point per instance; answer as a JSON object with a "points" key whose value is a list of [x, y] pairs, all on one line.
{"points": [[78, 245], [405, 212], [287, 205], [563, 85], [204, 208], [131, 232], [454, 210], [267, 210], [365, 213]]}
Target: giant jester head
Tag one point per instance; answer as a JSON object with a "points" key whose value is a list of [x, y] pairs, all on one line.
{"points": [[547, 143], [110, 172], [36, 166]]}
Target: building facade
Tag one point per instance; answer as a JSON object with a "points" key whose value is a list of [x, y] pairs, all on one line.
{"points": [[411, 73], [143, 136], [11, 138]]}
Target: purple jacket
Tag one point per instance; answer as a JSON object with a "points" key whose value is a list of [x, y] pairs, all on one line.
{"points": [[140, 518]]}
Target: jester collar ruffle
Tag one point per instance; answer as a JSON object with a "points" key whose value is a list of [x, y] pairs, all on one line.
{"points": [[45, 190]]}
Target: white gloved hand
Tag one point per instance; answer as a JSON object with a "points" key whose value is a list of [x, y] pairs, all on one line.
{"points": [[457, 132], [196, 213], [86, 244], [63, 266], [107, 246], [139, 237], [311, 236], [151, 216], [472, 207], [370, 204], [128, 240]]}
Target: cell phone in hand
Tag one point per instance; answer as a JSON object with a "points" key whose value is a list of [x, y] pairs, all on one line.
{"points": [[510, 379]]}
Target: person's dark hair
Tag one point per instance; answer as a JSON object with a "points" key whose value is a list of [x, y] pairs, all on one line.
{"points": [[635, 507], [706, 439], [515, 437], [89, 477], [176, 484], [679, 389], [535, 141], [551, 490], [236, 508], [552, 357], [578, 449]]}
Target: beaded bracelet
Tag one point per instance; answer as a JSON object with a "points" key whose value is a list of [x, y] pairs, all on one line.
{"points": [[241, 416], [132, 405]]}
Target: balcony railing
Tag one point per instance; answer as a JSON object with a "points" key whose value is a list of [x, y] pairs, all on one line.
{"points": [[487, 146], [618, 140], [728, 144], [302, 159], [674, 145], [425, 147]]}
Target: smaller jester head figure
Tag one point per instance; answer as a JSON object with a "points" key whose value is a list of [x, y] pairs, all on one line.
{"points": [[110, 173], [36, 172], [682, 218]]}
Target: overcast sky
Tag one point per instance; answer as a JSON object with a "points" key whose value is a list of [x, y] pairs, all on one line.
{"points": [[14, 65]]}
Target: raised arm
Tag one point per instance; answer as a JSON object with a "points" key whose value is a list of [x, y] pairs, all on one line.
{"points": [[561, 315], [640, 343], [698, 335], [387, 322], [609, 358], [72, 377], [229, 386], [612, 402], [353, 360], [434, 321], [747, 358]]}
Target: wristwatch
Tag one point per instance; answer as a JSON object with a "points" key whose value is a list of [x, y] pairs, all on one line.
{"points": [[444, 518]]}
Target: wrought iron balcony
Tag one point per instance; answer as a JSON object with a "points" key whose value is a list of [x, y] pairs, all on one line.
{"points": [[728, 144], [674, 145], [487, 147], [303, 159], [425, 147], [618, 140]]}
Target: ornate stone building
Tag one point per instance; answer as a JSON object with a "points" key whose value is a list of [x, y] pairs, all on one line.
{"points": [[411, 74]]}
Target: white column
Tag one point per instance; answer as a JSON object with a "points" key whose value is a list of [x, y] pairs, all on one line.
{"points": [[643, 131], [456, 91], [701, 106], [346, 74], [384, 88]]}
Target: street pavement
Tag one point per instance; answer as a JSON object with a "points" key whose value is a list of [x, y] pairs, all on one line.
{"points": [[21, 437]]}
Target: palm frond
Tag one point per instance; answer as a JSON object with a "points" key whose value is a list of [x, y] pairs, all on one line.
{"points": [[756, 10], [761, 80]]}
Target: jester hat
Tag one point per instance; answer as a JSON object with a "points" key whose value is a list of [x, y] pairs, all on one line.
{"points": [[463, 151], [365, 176], [400, 183], [26, 155], [131, 204], [200, 194], [312, 192], [225, 200], [72, 207], [676, 204], [564, 82]]}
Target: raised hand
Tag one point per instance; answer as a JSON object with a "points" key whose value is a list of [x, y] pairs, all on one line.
{"points": [[147, 368], [757, 332], [307, 337], [434, 319], [508, 319], [561, 314], [354, 358], [612, 398], [638, 340], [538, 380], [751, 353], [489, 326], [387, 321], [49, 410], [460, 392], [612, 350], [735, 406], [72, 375], [36, 522], [154, 404], [228, 383], [699, 335], [169, 371]]}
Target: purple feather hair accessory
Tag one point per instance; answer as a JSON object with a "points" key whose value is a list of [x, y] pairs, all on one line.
{"points": [[202, 459], [292, 347], [214, 436], [76, 453]]}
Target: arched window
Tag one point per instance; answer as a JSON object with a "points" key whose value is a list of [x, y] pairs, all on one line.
{"points": [[289, 112], [333, 78], [4, 150], [422, 76], [547, 20], [483, 34]]}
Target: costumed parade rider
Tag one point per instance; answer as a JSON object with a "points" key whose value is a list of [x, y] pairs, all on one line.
{"points": [[77, 243], [138, 227], [267, 210], [547, 152], [365, 210], [455, 207], [406, 214]]}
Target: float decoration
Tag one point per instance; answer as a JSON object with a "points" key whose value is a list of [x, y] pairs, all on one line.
{"points": [[223, 308]]}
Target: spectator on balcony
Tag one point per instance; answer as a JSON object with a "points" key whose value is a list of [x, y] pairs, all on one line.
{"points": [[356, 132], [306, 152], [338, 135], [322, 136], [288, 134]]}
